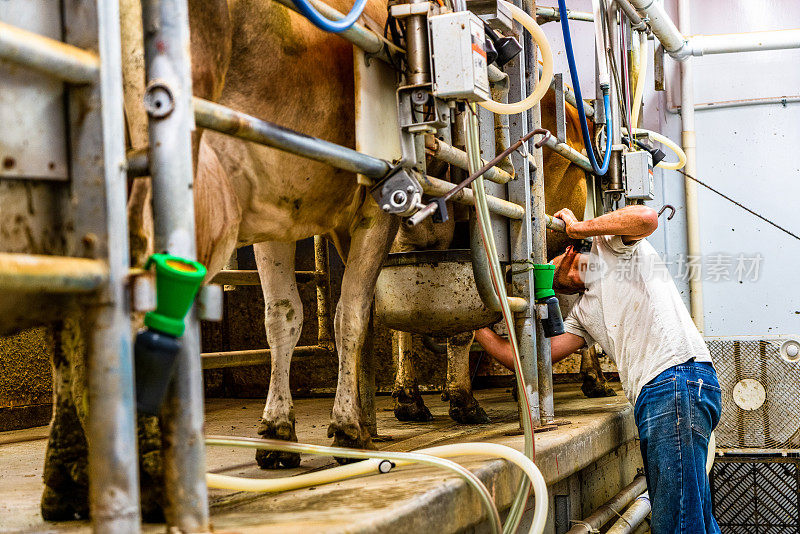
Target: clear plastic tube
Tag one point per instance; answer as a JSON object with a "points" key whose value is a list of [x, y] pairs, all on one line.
{"points": [[547, 66]]}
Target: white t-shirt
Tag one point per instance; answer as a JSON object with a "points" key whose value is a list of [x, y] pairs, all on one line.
{"points": [[632, 308]]}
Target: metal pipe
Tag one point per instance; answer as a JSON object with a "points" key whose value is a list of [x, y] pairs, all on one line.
{"points": [[569, 96], [552, 14], [454, 156], [633, 516], [705, 106], [663, 28], [570, 153], [417, 56], [611, 509], [243, 277], [689, 145], [51, 274], [237, 124], [168, 100], [636, 21], [244, 358], [744, 42], [436, 187], [138, 163], [111, 422], [57, 59], [322, 278], [365, 39]]}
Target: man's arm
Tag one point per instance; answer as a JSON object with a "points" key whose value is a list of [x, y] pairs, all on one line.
{"points": [[632, 223], [500, 349]]}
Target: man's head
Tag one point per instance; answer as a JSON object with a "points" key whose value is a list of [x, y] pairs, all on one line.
{"points": [[569, 272]]}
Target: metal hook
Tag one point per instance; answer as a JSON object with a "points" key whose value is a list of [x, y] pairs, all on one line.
{"points": [[671, 211]]}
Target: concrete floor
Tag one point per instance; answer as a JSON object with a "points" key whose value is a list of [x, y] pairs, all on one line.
{"points": [[405, 499]]}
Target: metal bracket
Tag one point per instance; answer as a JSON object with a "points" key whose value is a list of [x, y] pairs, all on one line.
{"points": [[561, 109], [408, 96], [658, 68], [158, 99], [399, 193]]}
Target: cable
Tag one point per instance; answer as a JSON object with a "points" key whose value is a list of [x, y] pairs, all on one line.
{"points": [[326, 24], [547, 69], [599, 170], [745, 208]]}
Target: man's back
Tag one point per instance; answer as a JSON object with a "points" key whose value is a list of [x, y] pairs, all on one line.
{"points": [[632, 308]]}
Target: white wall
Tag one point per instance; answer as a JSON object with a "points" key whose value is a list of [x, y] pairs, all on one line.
{"points": [[752, 154]]}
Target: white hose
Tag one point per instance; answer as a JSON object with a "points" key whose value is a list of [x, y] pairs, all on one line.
{"points": [[667, 142], [372, 467], [641, 78], [547, 67]]}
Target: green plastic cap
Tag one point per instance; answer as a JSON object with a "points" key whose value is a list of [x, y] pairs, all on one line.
{"points": [[543, 280], [177, 282]]}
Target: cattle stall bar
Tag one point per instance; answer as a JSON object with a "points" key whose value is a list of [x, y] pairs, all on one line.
{"points": [[89, 184]]}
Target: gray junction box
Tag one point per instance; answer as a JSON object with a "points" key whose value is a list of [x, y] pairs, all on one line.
{"points": [[638, 170], [458, 56]]}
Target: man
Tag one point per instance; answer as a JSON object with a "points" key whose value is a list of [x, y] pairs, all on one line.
{"points": [[631, 307]]}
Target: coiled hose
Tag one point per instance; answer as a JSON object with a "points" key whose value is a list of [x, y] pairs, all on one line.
{"points": [[599, 170], [326, 24]]}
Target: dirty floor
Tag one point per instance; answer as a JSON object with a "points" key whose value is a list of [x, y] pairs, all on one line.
{"points": [[404, 497]]}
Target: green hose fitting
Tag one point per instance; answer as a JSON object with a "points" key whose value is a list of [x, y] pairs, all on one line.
{"points": [[543, 274], [177, 282]]}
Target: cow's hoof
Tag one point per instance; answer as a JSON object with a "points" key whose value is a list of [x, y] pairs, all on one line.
{"points": [[465, 409], [283, 430], [350, 436], [594, 388], [409, 406], [65, 504]]}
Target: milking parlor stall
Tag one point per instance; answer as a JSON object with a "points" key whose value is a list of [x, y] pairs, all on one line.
{"points": [[245, 248]]}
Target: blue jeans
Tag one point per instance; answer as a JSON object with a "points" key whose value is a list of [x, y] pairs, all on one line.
{"points": [[675, 413]]}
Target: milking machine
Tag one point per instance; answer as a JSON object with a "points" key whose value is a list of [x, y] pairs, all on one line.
{"points": [[157, 344]]}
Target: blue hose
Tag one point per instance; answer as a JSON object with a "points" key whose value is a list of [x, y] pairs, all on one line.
{"points": [[323, 23], [573, 71]]}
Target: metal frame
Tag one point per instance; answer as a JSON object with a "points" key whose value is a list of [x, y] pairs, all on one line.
{"points": [[322, 280], [172, 112], [91, 62]]}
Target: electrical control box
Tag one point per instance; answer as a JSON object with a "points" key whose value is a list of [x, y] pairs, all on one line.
{"points": [[458, 56], [638, 172]]}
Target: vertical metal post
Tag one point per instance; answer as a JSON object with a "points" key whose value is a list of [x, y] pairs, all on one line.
{"points": [[522, 74], [615, 165], [538, 229], [168, 100], [99, 218], [323, 284]]}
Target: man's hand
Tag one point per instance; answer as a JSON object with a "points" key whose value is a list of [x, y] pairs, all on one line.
{"points": [[566, 215]]}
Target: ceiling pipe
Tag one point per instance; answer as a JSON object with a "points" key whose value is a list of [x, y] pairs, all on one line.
{"points": [[680, 47]]}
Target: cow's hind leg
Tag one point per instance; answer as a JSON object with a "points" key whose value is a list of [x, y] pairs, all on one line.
{"points": [[408, 403], [594, 381], [283, 321], [463, 406], [66, 482], [369, 246]]}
